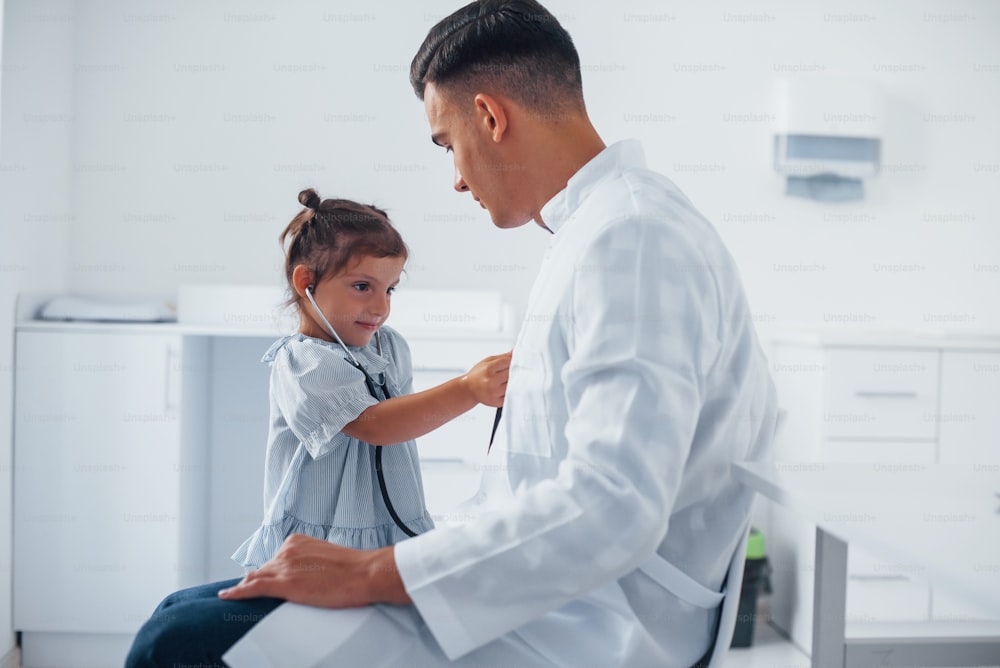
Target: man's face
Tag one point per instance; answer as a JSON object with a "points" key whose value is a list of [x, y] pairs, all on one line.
{"points": [[482, 167]]}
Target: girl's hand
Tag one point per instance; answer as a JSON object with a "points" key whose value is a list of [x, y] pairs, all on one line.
{"points": [[486, 382]]}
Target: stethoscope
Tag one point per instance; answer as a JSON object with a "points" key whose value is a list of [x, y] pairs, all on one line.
{"points": [[380, 392]]}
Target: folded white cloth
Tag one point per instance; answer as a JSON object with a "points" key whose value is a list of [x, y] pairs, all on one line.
{"points": [[104, 309]]}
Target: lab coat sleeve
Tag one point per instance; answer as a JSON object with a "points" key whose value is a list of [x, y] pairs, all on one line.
{"points": [[318, 393], [638, 329]]}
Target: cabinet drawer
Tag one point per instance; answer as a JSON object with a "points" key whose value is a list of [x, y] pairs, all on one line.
{"points": [[456, 356], [446, 485], [881, 394], [464, 438]]}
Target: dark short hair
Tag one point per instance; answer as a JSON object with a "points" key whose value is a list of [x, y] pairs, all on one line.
{"points": [[515, 45]]}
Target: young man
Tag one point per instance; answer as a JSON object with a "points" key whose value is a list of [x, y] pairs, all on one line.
{"points": [[636, 382]]}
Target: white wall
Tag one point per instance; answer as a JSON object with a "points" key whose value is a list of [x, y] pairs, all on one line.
{"points": [[36, 212], [6, 448], [199, 122], [923, 249]]}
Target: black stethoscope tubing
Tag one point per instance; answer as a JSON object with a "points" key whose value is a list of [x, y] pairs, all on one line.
{"points": [[381, 396]]}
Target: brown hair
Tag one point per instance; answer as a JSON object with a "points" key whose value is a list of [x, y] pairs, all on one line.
{"points": [[327, 233]]}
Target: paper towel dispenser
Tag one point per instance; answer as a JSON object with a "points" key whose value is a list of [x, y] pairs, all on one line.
{"points": [[827, 137]]}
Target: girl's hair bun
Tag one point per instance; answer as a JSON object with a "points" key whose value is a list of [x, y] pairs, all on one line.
{"points": [[327, 241], [309, 199]]}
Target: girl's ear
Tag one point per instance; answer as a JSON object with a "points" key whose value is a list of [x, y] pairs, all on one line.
{"points": [[302, 278]]}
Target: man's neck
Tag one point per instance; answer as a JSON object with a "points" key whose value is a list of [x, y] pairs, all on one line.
{"points": [[562, 151]]}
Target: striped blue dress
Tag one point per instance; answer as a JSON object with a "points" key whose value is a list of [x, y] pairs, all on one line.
{"points": [[317, 480]]}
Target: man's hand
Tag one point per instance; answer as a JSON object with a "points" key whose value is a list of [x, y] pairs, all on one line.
{"points": [[314, 572]]}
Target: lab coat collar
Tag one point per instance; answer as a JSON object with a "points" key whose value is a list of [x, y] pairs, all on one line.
{"points": [[606, 165]]}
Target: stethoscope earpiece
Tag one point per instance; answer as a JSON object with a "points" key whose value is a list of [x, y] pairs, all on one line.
{"points": [[330, 328]]}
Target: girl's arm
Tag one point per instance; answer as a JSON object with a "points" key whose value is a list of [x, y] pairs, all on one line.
{"points": [[401, 419]]}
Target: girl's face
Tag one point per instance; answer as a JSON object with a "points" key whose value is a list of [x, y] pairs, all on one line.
{"points": [[355, 301]]}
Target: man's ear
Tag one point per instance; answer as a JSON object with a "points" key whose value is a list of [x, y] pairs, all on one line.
{"points": [[302, 278], [492, 114]]}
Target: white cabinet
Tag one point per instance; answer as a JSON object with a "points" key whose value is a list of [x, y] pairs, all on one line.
{"points": [[107, 486], [896, 404], [969, 420], [452, 457], [880, 395], [851, 404], [465, 438], [969, 434]]}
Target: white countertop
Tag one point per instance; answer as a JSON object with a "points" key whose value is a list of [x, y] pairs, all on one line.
{"points": [[186, 329], [889, 338], [257, 312]]}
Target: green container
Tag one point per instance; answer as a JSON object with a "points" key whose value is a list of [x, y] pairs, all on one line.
{"points": [[756, 578]]}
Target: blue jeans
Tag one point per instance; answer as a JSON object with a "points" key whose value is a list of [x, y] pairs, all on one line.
{"points": [[195, 627]]}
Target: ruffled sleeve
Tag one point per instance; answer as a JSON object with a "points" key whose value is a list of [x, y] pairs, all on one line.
{"points": [[317, 392]]}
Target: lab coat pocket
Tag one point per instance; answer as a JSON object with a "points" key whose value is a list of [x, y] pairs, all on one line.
{"points": [[529, 425]]}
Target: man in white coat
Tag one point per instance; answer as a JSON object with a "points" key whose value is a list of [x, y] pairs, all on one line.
{"points": [[636, 382]]}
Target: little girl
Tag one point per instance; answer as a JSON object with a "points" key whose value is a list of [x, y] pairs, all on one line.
{"points": [[341, 462]]}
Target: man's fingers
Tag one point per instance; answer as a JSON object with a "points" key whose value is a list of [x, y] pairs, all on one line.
{"points": [[236, 592], [251, 586]]}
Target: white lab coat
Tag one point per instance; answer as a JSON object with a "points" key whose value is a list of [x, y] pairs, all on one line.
{"points": [[636, 381]]}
